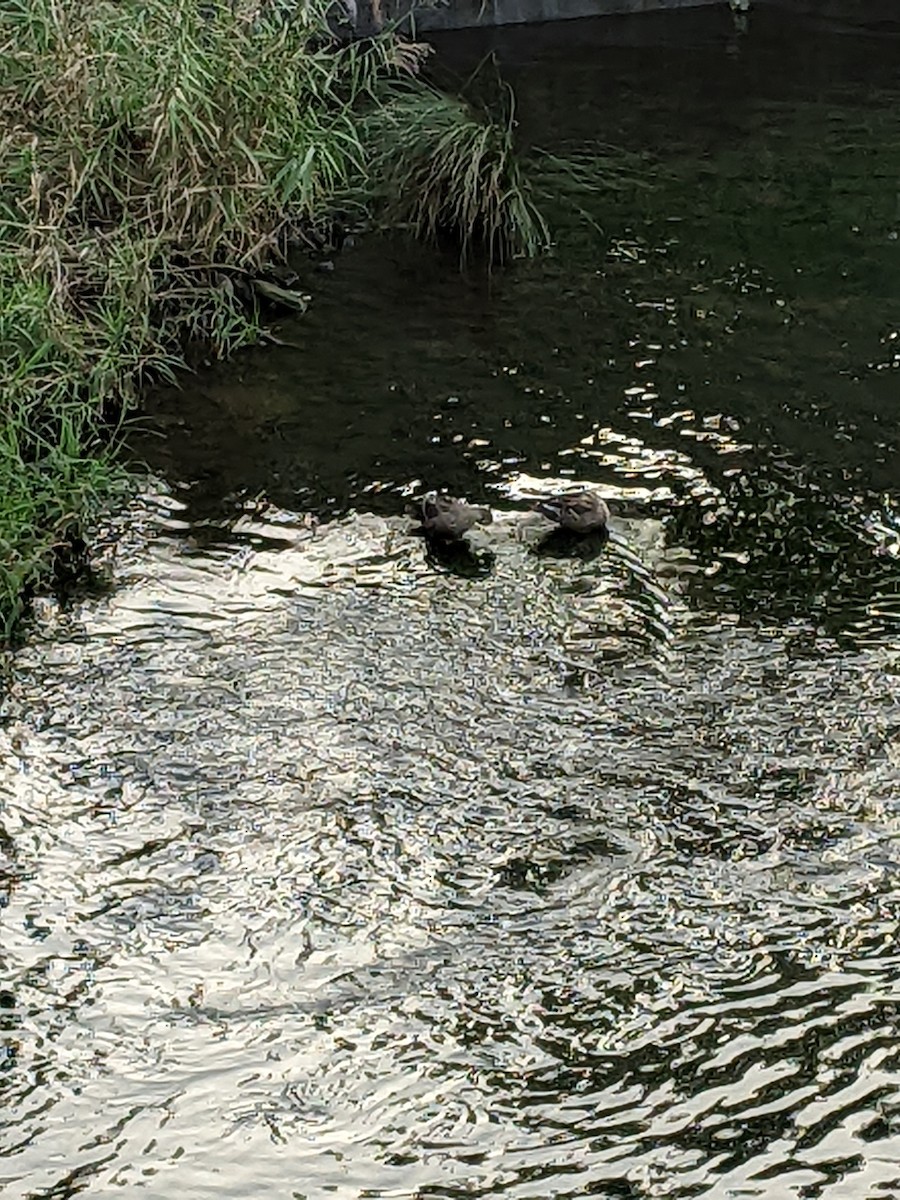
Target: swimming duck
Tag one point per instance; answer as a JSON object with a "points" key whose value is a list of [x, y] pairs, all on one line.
{"points": [[580, 512], [448, 517]]}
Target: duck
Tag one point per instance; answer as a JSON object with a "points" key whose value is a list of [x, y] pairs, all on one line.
{"points": [[449, 517], [579, 512]]}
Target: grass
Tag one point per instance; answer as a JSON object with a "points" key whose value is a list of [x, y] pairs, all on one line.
{"points": [[156, 157], [52, 488], [56, 471], [445, 168]]}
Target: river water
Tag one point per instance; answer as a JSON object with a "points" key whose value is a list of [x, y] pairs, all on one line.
{"points": [[333, 867]]}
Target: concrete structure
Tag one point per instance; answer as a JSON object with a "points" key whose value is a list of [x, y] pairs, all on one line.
{"points": [[876, 15], [463, 14], [428, 15]]}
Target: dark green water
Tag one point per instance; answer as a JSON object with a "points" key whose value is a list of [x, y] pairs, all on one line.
{"points": [[332, 870], [753, 292]]}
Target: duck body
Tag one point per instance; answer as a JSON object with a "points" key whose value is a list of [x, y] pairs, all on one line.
{"points": [[448, 517], [579, 512]]}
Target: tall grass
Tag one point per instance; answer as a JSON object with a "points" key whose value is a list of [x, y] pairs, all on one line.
{"points": [[52, 487], [155, 157], [159, 152], [56, 470], [446, 168]]}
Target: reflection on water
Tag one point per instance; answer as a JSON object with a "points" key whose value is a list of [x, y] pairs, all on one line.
{"points": [[335, 864], [323, 866]]}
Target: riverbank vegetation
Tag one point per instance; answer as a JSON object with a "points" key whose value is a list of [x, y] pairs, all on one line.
{"points": [[158, 158]]}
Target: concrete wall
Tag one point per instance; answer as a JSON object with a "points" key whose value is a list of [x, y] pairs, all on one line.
{"points": [[463, 14], [878, 15]]}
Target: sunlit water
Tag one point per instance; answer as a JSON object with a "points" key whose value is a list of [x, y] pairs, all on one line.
{"points": [[335, 867]]}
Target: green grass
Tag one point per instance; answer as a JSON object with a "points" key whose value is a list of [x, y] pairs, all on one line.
{"points": [[447, 169], [56, 471], [51, 488], [156, 156]]}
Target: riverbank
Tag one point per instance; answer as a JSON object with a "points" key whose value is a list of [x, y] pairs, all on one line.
{"points": [[160, 164]]}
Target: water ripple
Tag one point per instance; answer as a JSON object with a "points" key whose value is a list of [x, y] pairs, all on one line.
{"points": [[286, 902]]}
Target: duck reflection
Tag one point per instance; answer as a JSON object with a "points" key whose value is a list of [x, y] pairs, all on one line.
{"points": [[455, 556], [563, 543]]}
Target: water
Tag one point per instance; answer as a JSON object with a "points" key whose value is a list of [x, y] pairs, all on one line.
{"points": [[332, 868]]}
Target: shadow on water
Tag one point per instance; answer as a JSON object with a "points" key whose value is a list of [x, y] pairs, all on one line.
{"points": [[458, 557], [562, 543], [338, 863]]}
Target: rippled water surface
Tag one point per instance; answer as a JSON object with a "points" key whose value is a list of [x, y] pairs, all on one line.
{"points": [[333, 866]]}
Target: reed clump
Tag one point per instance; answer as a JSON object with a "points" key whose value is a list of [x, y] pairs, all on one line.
{"points": [[446, 168]]}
